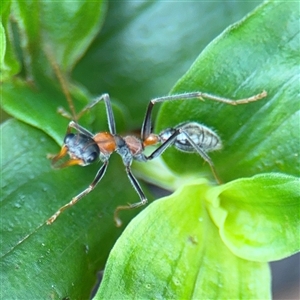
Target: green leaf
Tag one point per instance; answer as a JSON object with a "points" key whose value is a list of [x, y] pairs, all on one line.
{"points": [[46, 26], [70, 42], [61, 260], [173, 250], [259, 53], [39, 107], [258, 218], [118, 62], [9, 65], [152, 257], [145, 46], [35, 257], [72, 27], [34, 103]]}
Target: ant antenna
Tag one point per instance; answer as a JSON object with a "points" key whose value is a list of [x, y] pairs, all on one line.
{"points": [[63, 83]]}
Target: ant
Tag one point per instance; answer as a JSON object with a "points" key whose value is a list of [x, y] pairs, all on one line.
{"points": [[84, 147]]}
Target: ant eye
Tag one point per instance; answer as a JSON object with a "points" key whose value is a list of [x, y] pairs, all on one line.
{"points": [[92, 157], [68, 138]]}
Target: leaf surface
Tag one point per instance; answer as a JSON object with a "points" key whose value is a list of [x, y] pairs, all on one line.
{"points": [[259, 53], [34, 256], [258, 217], [173, 250]]}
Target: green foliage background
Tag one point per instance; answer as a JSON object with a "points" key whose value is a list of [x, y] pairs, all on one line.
{"points": [[137, 51]]}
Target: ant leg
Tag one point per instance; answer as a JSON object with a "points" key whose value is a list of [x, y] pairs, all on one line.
{"points": [[97, 179], [63, 83], [140, 192], [204, 155], [169, 142], [109, 111], [254, 98], [64, 113], [79, 128], [63, 152], [56, 157], [166, 144], [146, 127]]}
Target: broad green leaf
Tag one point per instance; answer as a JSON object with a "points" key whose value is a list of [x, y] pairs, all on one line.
{"points": [[61, 260], [46, 26], [40, 104], [157, 254], [39, 107], [106, 66], [145, 46], [62, 32], [259, 53], [173, 250], [70, 42], [258, 218]]}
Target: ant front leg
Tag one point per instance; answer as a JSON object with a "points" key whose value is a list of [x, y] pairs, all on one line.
{"points": [[109, 111], [138, 189], [108, 107], [97, 179], [79, 128]]}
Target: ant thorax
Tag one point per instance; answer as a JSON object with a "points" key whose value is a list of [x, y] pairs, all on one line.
{"points": [[134, 144], [202, 136], [123, 150]]}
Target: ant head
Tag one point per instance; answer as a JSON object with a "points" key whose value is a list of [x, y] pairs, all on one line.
{"points": [[82, 148]]}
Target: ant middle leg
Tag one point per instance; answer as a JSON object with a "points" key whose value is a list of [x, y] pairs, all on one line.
{"points": [[138, 189]]}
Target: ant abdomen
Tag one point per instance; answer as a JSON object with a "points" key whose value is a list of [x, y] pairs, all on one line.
{"points": [[202, 136]]}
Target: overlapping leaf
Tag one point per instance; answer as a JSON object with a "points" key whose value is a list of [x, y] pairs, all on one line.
{"points": [[173, 250], [259, 53]]}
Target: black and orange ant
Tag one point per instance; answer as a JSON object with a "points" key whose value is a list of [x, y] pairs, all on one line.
{"points": [[84, 147]]}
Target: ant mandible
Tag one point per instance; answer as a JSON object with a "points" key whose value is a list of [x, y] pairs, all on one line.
{"points": [[84, 148]]}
